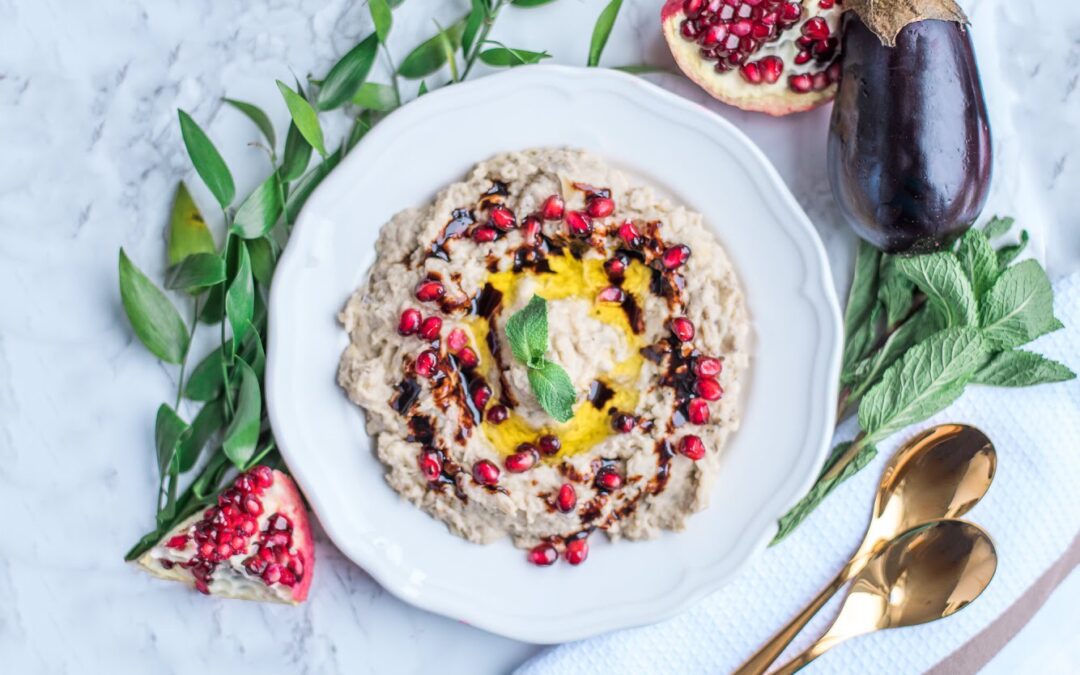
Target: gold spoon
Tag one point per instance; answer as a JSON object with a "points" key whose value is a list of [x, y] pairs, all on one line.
{"points": [[941, 473], [926, 574]]}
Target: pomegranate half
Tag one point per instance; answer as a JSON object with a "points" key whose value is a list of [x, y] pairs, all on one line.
{"points": [[254, 544], [771, 56]]}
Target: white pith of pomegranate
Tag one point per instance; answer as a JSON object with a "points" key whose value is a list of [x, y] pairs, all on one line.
{"points": [[254, 544], [771, 56]]}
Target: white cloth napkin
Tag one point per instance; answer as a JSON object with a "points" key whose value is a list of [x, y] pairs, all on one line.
{"points": [[1032, 511]]}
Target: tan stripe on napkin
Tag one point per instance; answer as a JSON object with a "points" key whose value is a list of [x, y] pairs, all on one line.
{"points": [[979, 650]]}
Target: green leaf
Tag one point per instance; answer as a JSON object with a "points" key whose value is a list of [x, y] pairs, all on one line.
{"points": [[978, 261], [376, 96], [553, 389], [380, 14], [240, 300], [169, 430], [209, 421], [602, 31], [1018, 368], [361, 125], [214, 309], [917, 328], [188, 232], [506, 56], [243, 432], [861, 304], [642, 69], [195, 272], [306, 185], [297, 155], [260, 211], [530, 3], [859, 343], [1019, 307], [154, 319], [431, 55], [997, 226], [527, 332], [256, 115], [345, 78], [207, 161], [263, 259], [929, 377], [422, 90], [473, 23], [304, 117], [253, 353], [941, 278], [206, 380], [895, 292], [823, 487], [1007, 254]]}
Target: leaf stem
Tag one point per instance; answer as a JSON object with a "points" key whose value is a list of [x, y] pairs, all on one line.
{"points": [[857, 444], [393, 73], [489, 23], [187, 351]]}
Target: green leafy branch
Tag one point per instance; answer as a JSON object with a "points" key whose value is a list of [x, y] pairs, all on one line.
{"points": [[527, 333], [228, 286], [920, 329]]}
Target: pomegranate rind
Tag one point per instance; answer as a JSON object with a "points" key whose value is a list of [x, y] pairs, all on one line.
{"points": [[229, 579], [773, 99]]}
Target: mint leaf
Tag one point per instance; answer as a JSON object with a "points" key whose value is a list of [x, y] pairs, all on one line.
{"points": [[553, 389], [862, 301], [527, 332], [998, 226], [929, 377], [978, 260], [895, 291], [798, 513], [1019, 307], [1007, 254], [1018, 368], [921, 325], [941, 278]]}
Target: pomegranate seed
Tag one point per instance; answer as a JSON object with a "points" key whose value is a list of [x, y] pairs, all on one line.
{"points": [[751, 72], [503, 218], [522, 460], [706, 366], [608, 479], [771, 68], [630, 235], [714, 34], [532, 230], [816, 29], [616, 266], [430, 465], [468, 357], [692, 447], [683, 328], [456, 340], [802, 58], [244, 483], [296, 564], [484, 234], [611, 294], [742, 28], [821, 81], [623, 423], [693, 6], [253, 506], [600, 207], [280, 523], [790, 12], [426, 362], [834, 72], [577, 551], [552, 208], [709, 389], [497, 414], [430, 328], [689, 29], [272, 574], [263, 475], [485, 472], [698, 411], [287, 577], [224, 550], [826, 4], [480, 396], [179, 541], [567, 499], [206, 550], [249, 526], [430, 290], [549, 445], [675, 256], [543, 555], [578, 224], [201, 586]]}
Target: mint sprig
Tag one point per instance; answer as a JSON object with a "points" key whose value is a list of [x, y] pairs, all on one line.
{"points": [[527, 332], [920, 329]]}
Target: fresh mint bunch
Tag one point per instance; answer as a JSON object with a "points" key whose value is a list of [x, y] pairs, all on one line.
{"points": [[527, 332], [920, 329]]}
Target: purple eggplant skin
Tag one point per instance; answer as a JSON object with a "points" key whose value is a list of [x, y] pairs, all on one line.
{"points": [[909, 144]]}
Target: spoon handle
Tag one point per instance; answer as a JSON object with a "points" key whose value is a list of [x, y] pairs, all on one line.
{"points": [[760, 661], [827, 642]]}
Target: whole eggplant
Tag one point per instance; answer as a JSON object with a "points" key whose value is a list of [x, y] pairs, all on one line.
{"points": [[909, 144]]}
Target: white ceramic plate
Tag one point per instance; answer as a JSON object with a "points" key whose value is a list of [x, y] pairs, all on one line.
{"points": [[705, 163]]}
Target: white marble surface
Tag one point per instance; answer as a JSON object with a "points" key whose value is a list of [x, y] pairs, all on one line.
{"points": [[90, 156]]}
